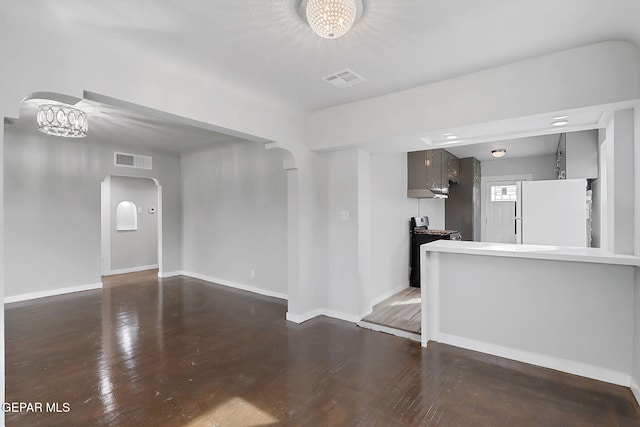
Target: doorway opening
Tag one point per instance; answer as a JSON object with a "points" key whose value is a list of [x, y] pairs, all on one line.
{"points": [[131, 226]]}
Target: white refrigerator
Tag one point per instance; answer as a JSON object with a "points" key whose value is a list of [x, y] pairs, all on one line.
{"points": [[555, 212]]}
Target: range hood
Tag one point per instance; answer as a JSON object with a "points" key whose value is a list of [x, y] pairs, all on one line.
{"points": [[429, 173]]}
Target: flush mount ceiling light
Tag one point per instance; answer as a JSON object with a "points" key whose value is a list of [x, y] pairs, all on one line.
{"points": [[331, 19], [498, 152], [62, 120]]}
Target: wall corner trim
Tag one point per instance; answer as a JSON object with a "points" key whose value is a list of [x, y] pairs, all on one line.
{"points": [[52, 292], [389, 294], [131, 270], [300, 318], [170, 274], [635, 388], [236, 285]]}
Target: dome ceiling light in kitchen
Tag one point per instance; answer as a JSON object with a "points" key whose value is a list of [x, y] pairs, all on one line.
{"points": [[331, 19], [499, 152], [62, 120]]}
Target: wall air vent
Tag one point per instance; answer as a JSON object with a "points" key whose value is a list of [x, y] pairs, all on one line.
{"points": [[344, 78], [132, 161]]}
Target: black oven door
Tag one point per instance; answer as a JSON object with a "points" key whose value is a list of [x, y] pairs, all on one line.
{"points": [[414, 255]]}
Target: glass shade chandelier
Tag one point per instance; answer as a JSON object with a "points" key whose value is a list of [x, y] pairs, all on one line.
{"points": [[62, 120], [331, 19]]}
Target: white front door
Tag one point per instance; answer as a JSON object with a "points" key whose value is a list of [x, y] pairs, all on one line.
{"points": [[499, 208], [501, 211]]}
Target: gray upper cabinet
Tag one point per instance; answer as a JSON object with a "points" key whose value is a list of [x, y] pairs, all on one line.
{"points": [[577, 155], [429, 173], [416, 173]]}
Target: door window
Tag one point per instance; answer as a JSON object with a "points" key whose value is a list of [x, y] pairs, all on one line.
{"points": [[504, 193]]}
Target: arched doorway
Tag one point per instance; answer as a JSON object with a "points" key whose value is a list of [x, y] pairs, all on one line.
{"points": [[131, 232]]}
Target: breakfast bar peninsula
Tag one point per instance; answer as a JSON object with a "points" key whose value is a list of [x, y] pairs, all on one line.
{"points": [[569, 309]]}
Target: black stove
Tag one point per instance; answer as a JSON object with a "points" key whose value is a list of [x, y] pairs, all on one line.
{"points": [[420, 233]]}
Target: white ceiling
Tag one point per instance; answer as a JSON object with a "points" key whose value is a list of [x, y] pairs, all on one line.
{"points": [[522, 137], [264, 46], [521, 147], [136, 126]]}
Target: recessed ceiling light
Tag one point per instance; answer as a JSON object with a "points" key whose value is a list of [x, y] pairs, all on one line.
{"points": [[451, 136], [498, 152], [561, 122], [561, 118]]}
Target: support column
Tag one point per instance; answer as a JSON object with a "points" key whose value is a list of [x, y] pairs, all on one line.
{"points": [[620, 188], [2, 269]]}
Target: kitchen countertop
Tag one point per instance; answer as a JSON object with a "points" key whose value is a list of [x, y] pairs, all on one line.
{"points": [[556, 253]]}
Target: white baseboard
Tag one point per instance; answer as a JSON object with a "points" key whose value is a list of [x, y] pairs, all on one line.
{"points": [[52, 292], [236, 285], [397, 332], [299, 318], [340, 315], [389, 294], [131, 270], [635, 388], [551, 362], [170, 274]]}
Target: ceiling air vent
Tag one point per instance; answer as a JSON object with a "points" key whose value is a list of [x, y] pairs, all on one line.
{"points": [[344, 78], [132, 161]]}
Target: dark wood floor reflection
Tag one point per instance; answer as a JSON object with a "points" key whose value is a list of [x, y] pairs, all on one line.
{"points": [[181, 352]]}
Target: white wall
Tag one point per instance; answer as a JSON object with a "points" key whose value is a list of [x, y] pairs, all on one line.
{"points": [[635, 370], [349, 280], [620, 182], [635, 373], [52, 206], [636, 149], [364, 233], [134, 248], [596, 74], [559, 312], [390, 213], [596, 215], [636, 152], [343, 290], [2, 269], [541, 167], [309, 231], [235, 216]]}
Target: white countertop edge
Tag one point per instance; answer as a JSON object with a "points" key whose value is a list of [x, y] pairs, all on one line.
{"points": [[555, 253]]}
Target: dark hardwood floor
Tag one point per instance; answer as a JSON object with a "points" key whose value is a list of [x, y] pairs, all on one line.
{"points": [[181, 352]]}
